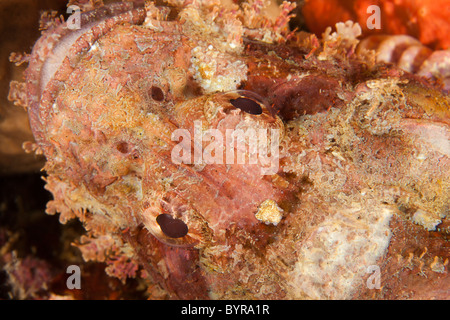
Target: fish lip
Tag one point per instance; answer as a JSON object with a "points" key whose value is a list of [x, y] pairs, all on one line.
{"points": [[60, 44]]}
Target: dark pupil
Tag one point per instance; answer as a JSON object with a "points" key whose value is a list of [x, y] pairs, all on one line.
{"points": [[247, 105], [173, 228], [157, 94], [123, 147]]}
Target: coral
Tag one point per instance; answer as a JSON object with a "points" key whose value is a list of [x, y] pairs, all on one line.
{"points": [[410, 55], [424, 20], [212, 153], [27, 276]]}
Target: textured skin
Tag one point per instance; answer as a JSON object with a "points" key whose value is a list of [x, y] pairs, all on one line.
{"points": [[363, 157]]}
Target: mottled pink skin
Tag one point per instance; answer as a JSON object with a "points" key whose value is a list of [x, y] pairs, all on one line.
{"points": [[108, 145]]}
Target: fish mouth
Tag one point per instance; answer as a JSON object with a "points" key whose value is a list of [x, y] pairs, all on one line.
{"points": [[55, 54]]}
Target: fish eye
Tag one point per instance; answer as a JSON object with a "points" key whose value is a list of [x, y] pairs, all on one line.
{"points": [[157, 94], [247, 105], [172, 227], [248, 102]]}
